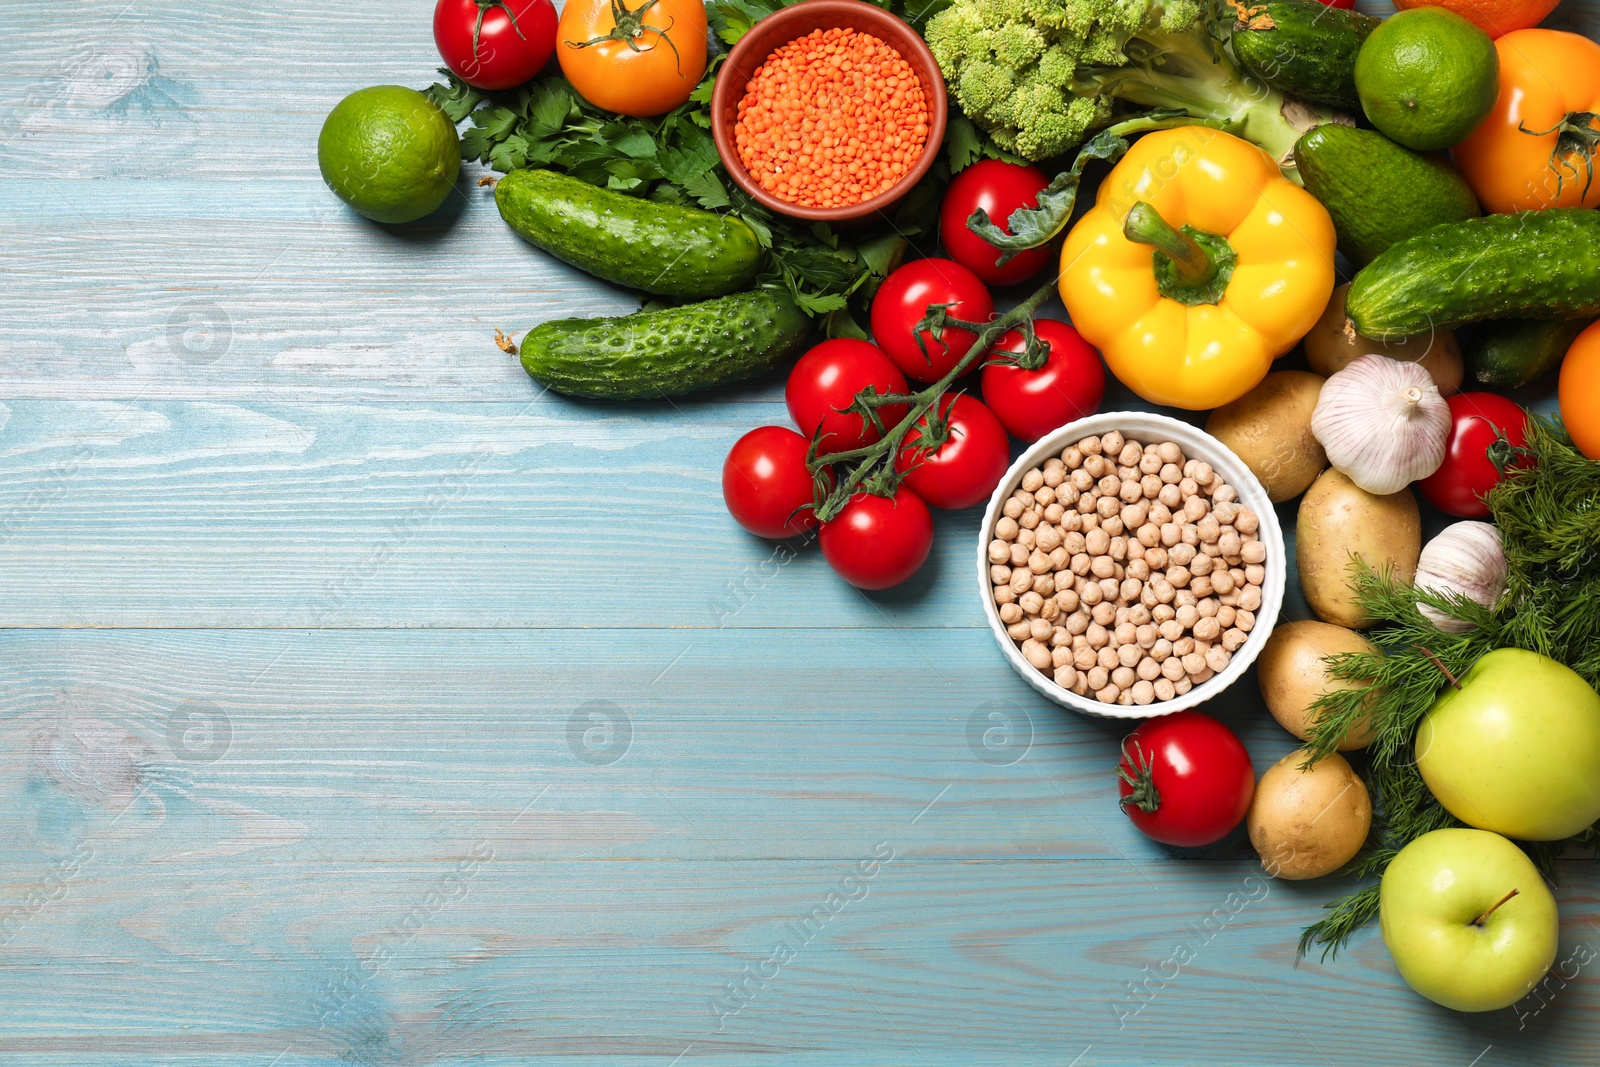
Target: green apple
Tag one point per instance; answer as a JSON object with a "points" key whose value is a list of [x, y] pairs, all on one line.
{"points": [[1454, 931], [1516, 748]]}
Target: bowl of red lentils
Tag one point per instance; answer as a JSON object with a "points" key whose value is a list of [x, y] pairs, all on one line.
{"points": [[829, 111], [1131, 565]]}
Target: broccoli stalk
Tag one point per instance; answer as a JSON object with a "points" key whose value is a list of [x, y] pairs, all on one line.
{"points": [[1041, 75], [1192, 71]]}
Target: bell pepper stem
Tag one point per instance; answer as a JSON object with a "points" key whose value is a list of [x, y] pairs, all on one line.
{"points": [[1192, 264]]}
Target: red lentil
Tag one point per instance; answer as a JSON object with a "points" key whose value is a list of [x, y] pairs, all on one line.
{"points": [[831, 119]]}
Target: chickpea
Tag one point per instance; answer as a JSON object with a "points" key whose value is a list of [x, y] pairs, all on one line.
{"points": [[1226, 512], [1245, 620], [1004, 594], [1054, 472], [1160, 514], [1138, 614], [1076, 623], [1171, 630], [1207, 607], [1102, 566], [999, 551], [1170, 496], [1255, 574], [1222, 581], [1164, 589], [1109, 657], [1030, 519], [1171, 475], [1172, 669], [999, 574], [1146, 636], [1106, 507], [1147, 669], [1081, 480], [1130, 492], [1150, 487], [1171, 534], [1161, 650], [1225, 494], [1250, 598], [1142, 691], [1021, 581], [1201, 564], [1030, 602], [1130, 454], [1164, 689], [1230, 545], [1123, 677], [1060, 638], [1067, 598], [1080, 564], [1032, 480], [1097, 542], [1097, 636], [1090, 520], [1040, 630], [1182, 646], [1181, 554], [1202, 473], [1217, 659], [1109, 695], [1051, 611], [1200, 586], [1028, 538], [1233, 639], [1163, 613], [1150, 463], [1097, 467], [1045, 496], [1059, 558], [1134, 515], [1225, 616], [1194, 663], [1113, 525], [1209, 529], [1207, 629], [1072, 521], [1104, 613], [1193, 502], [1011, 509], [1010, 613], [1084, 658], [1101, 675], [1019, 631], [1182, 686], [1112, 442], [1072, 457], [1081, 686], [1130, 590], [1253, 552]]}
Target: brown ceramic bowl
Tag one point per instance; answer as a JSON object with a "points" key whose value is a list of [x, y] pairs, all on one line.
{"points": [[778, 29]]}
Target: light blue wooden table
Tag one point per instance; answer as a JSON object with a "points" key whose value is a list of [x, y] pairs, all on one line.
{"points": [[359, 705]]}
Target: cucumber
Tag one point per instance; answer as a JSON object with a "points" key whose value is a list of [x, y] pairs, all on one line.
{"points": [[1511, 353], [1534, 264], [1304, 48], [666, 353], [1376, 192], [660, 248]]}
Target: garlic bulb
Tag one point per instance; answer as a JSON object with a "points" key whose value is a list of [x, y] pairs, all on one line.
{"points": [[1465, 558], [1383, 423]]}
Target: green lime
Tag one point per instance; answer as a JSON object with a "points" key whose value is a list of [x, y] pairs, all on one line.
{"points": [[390, 153], [1427, 77]]}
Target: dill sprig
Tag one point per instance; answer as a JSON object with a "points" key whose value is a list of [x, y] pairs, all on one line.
{"points": [[1547, 508]]}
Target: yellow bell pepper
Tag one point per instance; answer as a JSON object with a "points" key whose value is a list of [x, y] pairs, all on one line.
{"points": [[1191, 296]]}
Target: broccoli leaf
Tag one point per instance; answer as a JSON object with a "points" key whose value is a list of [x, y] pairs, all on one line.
{"points": [[1036, 226]]}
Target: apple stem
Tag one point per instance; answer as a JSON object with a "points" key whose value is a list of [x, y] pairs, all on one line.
{"points": [[1492, 907], [1437, 662]]}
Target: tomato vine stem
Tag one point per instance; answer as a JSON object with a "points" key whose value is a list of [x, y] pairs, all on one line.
{"points": [[484, 7], [628, 26], [872, 467]]}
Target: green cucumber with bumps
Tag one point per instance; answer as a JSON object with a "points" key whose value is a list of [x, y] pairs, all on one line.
{"points": [[1513, 352], [1530, 265], [664, 249], [668, 352], [1304, 48]]}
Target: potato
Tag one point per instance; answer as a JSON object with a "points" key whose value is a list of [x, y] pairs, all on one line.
{"points": [[1308, 823], [1292, 676], [1270, 429], [1340, 523], [1329, 347]]}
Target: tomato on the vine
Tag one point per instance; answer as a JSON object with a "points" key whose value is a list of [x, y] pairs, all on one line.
{"points": [[1031, 403], [1185, 779], [766, 485], [826, 380], [902, 301], [643, 60], [964, 470], [999, 188], [495, 44], [1477, 420], [877, 542]]}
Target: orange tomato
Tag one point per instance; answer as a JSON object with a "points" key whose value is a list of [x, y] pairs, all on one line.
{"points": [[1580, 391], [640, 61], [1494, 17], [1536, 149]]}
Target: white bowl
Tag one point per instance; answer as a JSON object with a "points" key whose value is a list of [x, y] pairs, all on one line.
{"points": [[1196, 444]]}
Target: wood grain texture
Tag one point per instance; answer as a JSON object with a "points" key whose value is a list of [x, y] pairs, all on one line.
{"points": [[359, 704]]}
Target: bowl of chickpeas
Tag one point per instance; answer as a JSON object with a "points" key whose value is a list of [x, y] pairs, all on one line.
{"points": [[1131, 565]]}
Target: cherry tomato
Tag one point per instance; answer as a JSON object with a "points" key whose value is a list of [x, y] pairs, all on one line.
{"points": [[1031, 403], [965, 469], [766, 485], [998, 188], [1580, 391], [903, 300], [1467, 473], [645, 62], [826, 380], [1185, 779], [876, 542], [495, 45]]}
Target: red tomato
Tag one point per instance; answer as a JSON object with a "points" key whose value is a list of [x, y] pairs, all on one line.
{"points": [[495, 45], [875, 542], [903, 300], [998, 188], [766, 484], [1185, 779], [1031, 403], [965, 469], [1467, 473], [826, 379]]}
